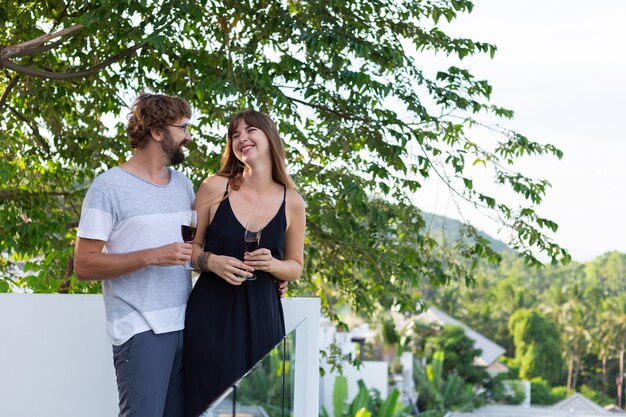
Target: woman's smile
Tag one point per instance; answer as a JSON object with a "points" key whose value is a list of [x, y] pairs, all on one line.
{"points": [[244, 149]]}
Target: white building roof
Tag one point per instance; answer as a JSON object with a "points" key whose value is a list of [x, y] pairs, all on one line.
{"points": [[614, 409], [577, 403], [491, 351], [573, 406], [517, 411]]}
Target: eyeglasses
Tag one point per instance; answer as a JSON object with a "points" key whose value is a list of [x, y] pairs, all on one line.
{"points": [[186, 127]]}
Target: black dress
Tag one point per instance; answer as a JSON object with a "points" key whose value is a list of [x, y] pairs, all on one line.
{"points": [[230, 328]]}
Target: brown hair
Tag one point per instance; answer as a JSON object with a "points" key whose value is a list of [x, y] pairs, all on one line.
{"points": [[153, 111], [232, 168]]}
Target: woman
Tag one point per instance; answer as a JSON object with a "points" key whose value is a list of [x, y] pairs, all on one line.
{"points": [[232, 322]]}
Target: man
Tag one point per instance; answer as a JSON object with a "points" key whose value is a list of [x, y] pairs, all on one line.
{"points": [[129, 237]]}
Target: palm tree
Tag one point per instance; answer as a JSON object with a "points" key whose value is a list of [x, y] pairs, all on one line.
{"points": [[577, 339], [565, 306], [602, 342], [555, 304], [615, 315]]}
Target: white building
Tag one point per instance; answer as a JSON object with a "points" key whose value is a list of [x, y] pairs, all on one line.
{"points": [[491, 351], [573, 406]]}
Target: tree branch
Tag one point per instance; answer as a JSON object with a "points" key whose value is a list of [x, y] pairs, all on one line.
{"points": [[43, 48], [38, 49], [9, 194], [329, 110], [12, 50], [33, 126], [67, 75], [7, 90], [65, 285], [61, 15]]}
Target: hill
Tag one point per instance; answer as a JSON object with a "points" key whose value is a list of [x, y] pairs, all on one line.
{"points": [[447, 231]]}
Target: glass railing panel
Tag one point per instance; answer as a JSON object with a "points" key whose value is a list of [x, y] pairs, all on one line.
{"points": [[223, 406], [266, 391]]}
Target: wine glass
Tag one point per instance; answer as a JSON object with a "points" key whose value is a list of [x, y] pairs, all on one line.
{"points": [[251, 239], [188, 225]]}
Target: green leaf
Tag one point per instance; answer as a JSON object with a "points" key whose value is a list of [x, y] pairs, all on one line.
{"points": [[340, 395]]}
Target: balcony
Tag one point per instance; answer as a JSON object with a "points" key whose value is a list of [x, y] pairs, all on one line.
{"points": [[56, 361]]}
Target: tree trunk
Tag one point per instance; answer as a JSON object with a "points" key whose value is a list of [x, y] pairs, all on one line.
{"points": [[575, 381], [64, 287], [570, 369], [604, 380], [620, 377]]}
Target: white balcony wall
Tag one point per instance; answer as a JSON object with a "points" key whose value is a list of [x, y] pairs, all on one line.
{"points": [[55, 359]]}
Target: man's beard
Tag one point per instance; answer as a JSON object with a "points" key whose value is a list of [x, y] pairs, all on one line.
{"points": [[173, 151]]}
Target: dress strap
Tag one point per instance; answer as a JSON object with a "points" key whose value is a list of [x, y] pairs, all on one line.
{"points": [[226, 190], [284, 193]]}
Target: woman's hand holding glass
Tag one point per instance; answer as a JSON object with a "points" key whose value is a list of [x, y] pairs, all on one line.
{"points": [[230, 269], [260, 260]]}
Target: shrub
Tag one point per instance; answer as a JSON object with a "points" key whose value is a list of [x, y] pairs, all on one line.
{"points": [[596, 396]]}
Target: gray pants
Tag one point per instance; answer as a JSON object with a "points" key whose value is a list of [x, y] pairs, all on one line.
{"points": [[149, 375]]}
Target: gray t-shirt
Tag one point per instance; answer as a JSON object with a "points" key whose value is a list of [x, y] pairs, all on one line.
{"points": [[131, 214]]}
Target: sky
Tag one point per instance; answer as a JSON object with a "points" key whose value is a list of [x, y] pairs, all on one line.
{"points": [[561, 66]]}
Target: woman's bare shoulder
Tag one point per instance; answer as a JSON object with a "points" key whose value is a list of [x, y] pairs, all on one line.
{"points": [[295, 200], [212, 187]]}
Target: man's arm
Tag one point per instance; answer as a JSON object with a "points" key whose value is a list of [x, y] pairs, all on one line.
{"points": [[90, 263]]}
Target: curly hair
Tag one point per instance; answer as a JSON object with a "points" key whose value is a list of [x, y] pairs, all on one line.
{"points": [[153, 111]]}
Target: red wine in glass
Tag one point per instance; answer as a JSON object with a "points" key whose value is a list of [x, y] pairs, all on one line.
{"points": [[188, 233], [251, 245], [251, 239], [188, 225]]}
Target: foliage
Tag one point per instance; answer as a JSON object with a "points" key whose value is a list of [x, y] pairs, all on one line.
{"points": [[273, 377], [394, 341], [459, 352], [343, 81], [418, 333], [612, 325], [365, 403], [340, 395], [584, 301], [334, 357], [542, 393], [584, 313], [508, 391], [389, 333], [513, 368], [560, 393], [440, 392], [596, 396], [537, 345]]}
